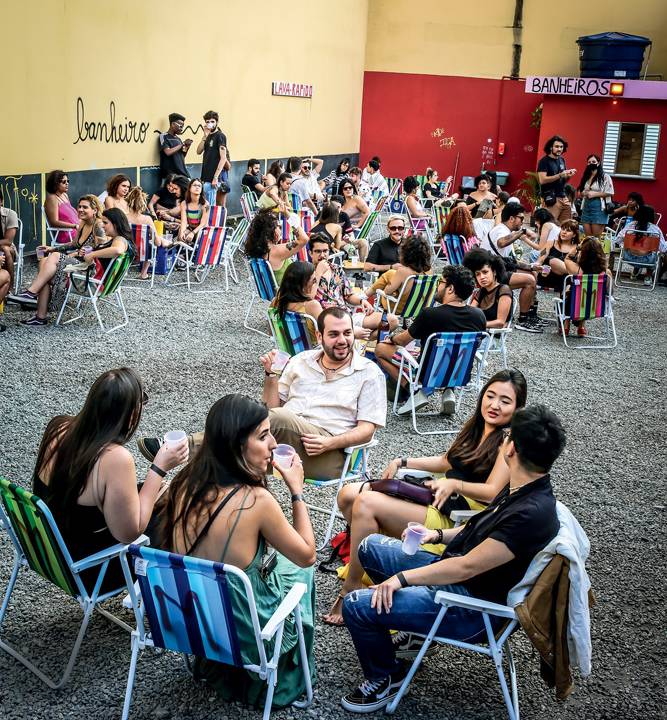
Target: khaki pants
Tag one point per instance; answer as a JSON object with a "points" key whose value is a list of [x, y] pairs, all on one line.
{"points": [[562, 210], [287, 428]]}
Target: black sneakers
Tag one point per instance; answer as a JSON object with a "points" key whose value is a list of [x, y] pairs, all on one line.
{"points": [[528, 324], [407, 645], [372, 695], [148, 447]]}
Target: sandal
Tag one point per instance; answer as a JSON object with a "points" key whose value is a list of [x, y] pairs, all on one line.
{"points": [[331, 613]]}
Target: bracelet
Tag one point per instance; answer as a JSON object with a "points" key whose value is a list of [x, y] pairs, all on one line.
{"points": [[270, 374], [297, 497], [402, 580], [404, 462], [461, 487], [441, 537], [158, 470]]}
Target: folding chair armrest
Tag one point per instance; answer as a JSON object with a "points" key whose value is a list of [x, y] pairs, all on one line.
{"points": [[498, 332], [459, 516], [286, 607], [408, 357], [389, 298], [470, 603], [371, 443], [106, 554]]}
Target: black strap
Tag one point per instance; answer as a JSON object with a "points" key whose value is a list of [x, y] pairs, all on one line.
{"points": [[212, 518]]}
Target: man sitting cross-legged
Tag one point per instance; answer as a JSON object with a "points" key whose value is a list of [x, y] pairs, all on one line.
{"points": [[452, 316], [325, 399], [485, 558]]}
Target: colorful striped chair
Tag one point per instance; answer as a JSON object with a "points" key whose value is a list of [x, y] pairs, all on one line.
{"points": [[200, 259], [217, 216], [39, 546], [446, 362], [248, 205], [587, 297], [106, 290], [187, 603], [293, 332], [366, 230], [306, 219], [294, 201], [416, 293], [144, 242], [265, 287]]}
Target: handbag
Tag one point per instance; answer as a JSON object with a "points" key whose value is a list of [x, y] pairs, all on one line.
{"points": [[409, 488], [609, 206]]}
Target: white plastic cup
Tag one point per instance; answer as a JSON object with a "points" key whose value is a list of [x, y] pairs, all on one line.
{"points": [[280, 359], [40, 252], [174, 437], [293, 220], [283, 456], [413, 538], [546, 269]]}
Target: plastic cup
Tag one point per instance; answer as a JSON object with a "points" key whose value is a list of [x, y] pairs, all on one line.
{"points": [[87, 250], [413, 538], [40, 252], [293, 220], [280, 359], [159, 226], [546, 269], [174, 437], [283, 456]]}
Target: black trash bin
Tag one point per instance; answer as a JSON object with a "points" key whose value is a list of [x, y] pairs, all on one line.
{"points": [[612, 55]]}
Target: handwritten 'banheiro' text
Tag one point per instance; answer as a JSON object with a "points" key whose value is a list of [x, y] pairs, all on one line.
{"points": [[129, 131]]}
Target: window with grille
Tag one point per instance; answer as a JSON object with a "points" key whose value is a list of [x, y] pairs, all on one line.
{"points": [[631, 149]]}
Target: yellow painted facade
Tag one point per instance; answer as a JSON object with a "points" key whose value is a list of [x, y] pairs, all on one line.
{"points": [[449, 39], [153, 57]]}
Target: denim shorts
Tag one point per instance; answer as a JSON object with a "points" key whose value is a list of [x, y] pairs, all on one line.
{"points": [[648, 260], [593, 212]]}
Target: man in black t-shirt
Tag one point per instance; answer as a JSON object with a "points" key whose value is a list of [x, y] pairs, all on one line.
{"points": [[485, 558], [452, 316], [252, 179], [215, 162], [553, 177], [172, 149], [384, 254]]}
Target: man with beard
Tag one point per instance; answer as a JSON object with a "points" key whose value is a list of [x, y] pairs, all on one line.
{"points": [[553, 176], [325, 399]]}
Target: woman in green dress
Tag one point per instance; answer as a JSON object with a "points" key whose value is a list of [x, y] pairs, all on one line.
{"points": [[219, 508]]}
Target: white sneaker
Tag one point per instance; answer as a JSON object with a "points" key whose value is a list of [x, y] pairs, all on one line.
{"points": [[420, 401], [448, 406], [648, 281]]}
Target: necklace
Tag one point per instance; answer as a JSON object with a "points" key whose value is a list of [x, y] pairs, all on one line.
{"points": [[515, 488], [331, 370]]}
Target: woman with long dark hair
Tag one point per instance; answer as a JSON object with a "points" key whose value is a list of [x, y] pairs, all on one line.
{"points": [[595, 188], [474, 473], [264, 240], [118, 188], [554, 253], [59, 211], [336, 177], [328, 223], [87, 477], [276, 169], [194, 212], [297, 291], [219, 508], [493, 296]]}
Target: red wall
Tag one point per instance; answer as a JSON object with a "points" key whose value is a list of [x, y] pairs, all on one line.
{"points": [[582, 121], [400, 113]]}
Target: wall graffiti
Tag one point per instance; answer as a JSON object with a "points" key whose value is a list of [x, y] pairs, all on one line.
{"points": [[21, 194], [444, 141], [129, 131]]}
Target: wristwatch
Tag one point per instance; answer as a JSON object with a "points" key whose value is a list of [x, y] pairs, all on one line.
{"points": [[404, 462], [298, 497]]}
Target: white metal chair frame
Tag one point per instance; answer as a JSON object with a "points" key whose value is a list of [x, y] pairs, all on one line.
{"points": [[88, 601], [267, 669], [654, 266], [53, 231], [428, 221], [185, 253], [18, 262]]}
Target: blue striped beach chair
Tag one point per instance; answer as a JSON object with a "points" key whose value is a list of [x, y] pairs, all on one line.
{"points": [[39, 546], [265, 287], [293, 332], [446, 362], [187, 604]]}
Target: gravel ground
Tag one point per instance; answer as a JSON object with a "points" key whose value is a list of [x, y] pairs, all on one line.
{"points": [[191, 349]]}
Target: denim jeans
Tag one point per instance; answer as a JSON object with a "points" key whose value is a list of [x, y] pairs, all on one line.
{"points": [[210, 192], [413, 608], [643, 260]]}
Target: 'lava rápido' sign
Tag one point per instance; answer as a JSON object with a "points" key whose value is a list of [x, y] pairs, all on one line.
{"points": [[290, 89]]}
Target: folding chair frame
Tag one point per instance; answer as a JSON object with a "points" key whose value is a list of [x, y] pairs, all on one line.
{"points": [[18, 263], [256, 294], [88, 602], [267, 669], [655, 267], [187, 253]]}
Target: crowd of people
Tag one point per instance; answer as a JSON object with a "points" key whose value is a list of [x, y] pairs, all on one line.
{"points": [[219, 505]]}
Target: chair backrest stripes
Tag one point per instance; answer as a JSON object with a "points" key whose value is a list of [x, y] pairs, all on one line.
{"points": [[238, 234], [37, 534], [382, 201], [440, 214], [453, 248], [588, 296], [447, 359], [306, 220], [247, 206], [285, 229], [369, 222], [187, 604], [217, 216], [141, 234], [395, 186], [264, 278], [210, 244], [294, 201], [294, 332], [115, 274], [417, 293]]}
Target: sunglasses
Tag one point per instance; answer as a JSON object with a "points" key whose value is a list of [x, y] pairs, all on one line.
{"points": [[397, 228], [348, 187], [305, 167]]}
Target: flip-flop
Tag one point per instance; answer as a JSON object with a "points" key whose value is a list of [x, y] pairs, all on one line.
{"points": [[330, 622]]}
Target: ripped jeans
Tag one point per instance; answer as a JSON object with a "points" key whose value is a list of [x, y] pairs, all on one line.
{"points": [[413, 608]]}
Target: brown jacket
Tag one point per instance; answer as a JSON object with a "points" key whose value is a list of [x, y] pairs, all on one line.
{"points": [[544, 617]]}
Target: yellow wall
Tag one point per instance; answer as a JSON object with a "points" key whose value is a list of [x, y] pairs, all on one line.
{"points": [[220, 55], [441, 38]]}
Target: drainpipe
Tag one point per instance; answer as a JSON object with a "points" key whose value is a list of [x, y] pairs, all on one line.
{"points": [[517, 28]]}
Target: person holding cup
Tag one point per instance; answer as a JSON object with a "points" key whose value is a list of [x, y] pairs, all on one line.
{"points": [[552, 258], [218, 507], [88, 478]]}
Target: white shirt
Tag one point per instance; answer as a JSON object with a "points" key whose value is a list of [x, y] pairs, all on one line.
{"points": [[495, 234], [337, 403], [377, 182], [651, 230], [312, 184], [300, 187]]}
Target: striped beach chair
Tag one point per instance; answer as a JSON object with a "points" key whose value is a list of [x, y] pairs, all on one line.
{"points": [[366, 230], [293, 332], [446, 362], [188, 603], [144, 242], [39, 546], [294, 201], [306, 219], [416, 293], [440, 215], [265, 287], [217, 216], [201, 259], [585, 298], [235, 238]]}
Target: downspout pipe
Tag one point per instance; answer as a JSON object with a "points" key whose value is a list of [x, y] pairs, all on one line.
{"points": [[517, 31]]}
